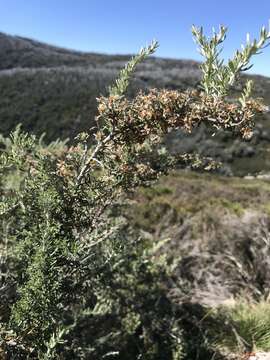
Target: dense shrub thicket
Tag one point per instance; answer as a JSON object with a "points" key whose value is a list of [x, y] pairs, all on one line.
{"points": [[77, 282]]}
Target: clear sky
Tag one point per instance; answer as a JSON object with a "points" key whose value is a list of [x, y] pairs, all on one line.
{"points": [[123, 26]]}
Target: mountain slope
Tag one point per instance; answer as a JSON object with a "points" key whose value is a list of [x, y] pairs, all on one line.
{"points": [[18, 51]]}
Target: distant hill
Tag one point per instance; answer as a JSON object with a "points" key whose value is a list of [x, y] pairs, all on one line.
{"points": [[54, 90], [17, 51]]}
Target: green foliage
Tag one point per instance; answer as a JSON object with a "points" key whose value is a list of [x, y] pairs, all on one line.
{"points": [[122, 82], [218, 77], [80, 282], [249, 327]]}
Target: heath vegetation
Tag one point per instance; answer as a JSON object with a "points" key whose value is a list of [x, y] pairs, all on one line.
{"points": [[79, 280]]}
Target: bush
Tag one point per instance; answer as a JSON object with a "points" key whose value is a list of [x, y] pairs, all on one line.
{"points": [[248, 327], [78, 281]]}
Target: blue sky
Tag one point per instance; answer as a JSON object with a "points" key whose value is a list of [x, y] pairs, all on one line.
{"points": [[123, 26]]}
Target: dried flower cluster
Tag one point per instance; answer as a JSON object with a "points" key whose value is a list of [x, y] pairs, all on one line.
{"points": [[156, 113]]}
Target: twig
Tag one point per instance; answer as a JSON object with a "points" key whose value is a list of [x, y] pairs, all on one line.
{"points": [[86, 167]]}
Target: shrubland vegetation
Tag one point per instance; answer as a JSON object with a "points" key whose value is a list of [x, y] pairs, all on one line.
{"points": [[80, 279]]}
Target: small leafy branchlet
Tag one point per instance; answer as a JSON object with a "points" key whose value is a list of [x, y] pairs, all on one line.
{"points": [[121, 84], [218, 77]]}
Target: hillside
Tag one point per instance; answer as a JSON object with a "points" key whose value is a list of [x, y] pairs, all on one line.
{"points": [[54, 90]]}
